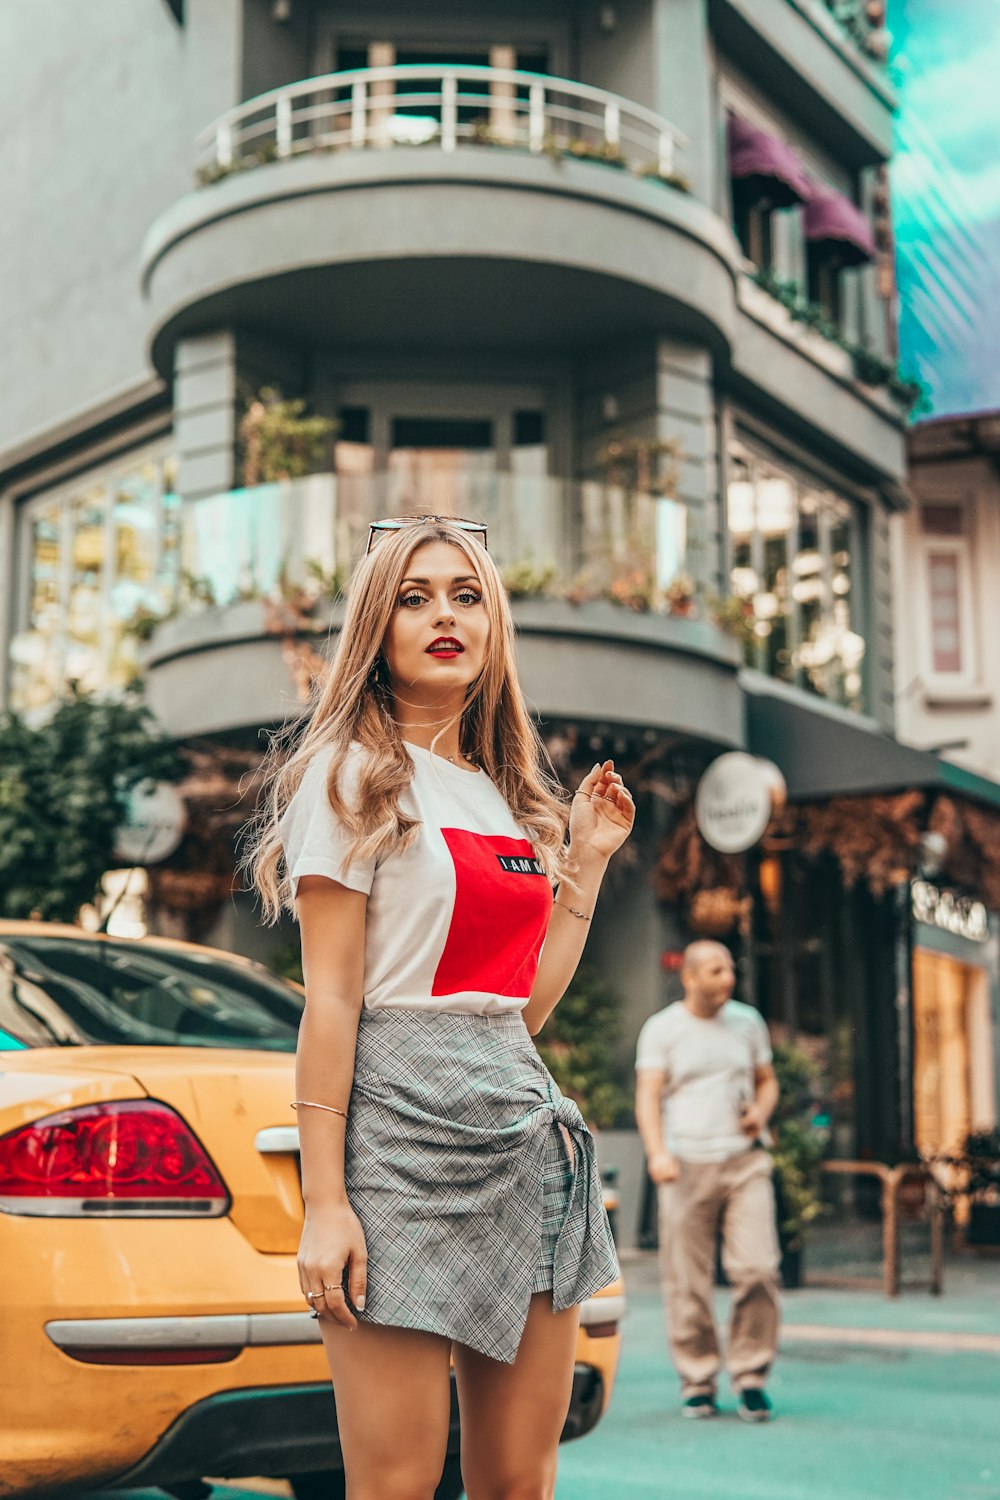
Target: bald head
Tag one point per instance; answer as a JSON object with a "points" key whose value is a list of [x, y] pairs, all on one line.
{"points": [[708, 976], [700, 952]]}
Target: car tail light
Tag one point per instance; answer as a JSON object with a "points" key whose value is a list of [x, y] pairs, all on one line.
{"points": [[131, 1157]]}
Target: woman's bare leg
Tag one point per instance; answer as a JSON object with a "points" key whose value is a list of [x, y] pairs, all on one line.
{"points": [[393, 1392], [512, 1415]]}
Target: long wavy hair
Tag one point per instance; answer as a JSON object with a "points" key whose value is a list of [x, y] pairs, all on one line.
{"points": [[354, 706]]}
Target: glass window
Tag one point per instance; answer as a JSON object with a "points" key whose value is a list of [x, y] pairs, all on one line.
{"points": [[753, 222], [791, 561], [946, 629], [100, 556], [77, 992]]}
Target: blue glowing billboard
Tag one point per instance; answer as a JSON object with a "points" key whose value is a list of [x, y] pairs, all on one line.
{"points": [[946, 197]]}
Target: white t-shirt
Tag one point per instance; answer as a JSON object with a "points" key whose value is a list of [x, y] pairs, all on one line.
{"points": [[455, 923], [710, 1066]]}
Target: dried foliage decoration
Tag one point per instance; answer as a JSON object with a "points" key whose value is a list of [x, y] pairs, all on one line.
{"points": [[874, 839]]}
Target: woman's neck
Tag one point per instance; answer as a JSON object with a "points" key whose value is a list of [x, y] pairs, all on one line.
{"points": [[432, 726]]}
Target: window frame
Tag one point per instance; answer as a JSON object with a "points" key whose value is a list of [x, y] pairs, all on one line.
{"points": [[762, 459], [960, 547]]}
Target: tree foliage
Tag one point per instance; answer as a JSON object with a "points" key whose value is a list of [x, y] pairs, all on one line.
{"points": [[577, 1045], [63, 790], [799, 1144]]}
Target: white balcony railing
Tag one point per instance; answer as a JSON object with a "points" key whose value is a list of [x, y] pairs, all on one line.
{"points": [[443, 105]]}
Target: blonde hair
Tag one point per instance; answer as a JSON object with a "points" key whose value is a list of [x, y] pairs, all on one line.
{"points": [[354, 706]]}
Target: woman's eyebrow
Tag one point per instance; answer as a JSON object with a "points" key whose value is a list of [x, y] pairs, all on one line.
{"points": [[426, 582]]}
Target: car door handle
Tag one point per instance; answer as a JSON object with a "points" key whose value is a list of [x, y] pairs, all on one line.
{"points": [[278, 1140]]}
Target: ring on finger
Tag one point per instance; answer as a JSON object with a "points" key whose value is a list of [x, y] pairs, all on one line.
{"points": [[311, 1296]]}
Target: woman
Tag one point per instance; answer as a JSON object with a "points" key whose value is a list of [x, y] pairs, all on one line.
{"points": [[451, 1196]]}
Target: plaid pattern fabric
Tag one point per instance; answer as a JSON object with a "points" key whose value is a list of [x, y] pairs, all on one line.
{"points": [[557, 1190], [449, 1165]]}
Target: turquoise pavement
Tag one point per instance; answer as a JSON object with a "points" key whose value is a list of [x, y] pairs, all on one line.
{"points": [[871, 1423], [880, 1422]]}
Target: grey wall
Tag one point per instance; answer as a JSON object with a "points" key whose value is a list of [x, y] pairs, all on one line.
{"points": [[274, 53], [98, 129]]}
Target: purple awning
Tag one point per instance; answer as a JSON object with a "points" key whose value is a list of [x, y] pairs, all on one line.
{"points": [[765, 163], [835, 221]]}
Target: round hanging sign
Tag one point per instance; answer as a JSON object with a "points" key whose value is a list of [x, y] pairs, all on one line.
{"points": [[735, 800], [155, 819]]}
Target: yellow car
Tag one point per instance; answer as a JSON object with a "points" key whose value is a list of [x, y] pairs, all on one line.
{"points": [[153, 1329]]}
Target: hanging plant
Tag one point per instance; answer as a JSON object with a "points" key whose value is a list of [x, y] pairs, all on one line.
{"points": [[278, 440]]}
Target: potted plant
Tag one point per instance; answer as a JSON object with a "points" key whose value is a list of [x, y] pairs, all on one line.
{"points": [[680, 595], [798, 1149], [972, 1177], [279, 440]]}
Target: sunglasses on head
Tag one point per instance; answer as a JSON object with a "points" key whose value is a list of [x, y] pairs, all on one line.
{"points": [[399, 523]]}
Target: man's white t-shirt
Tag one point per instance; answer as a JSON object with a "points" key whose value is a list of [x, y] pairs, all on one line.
{"points": [[455, 923], [710, 1066]]}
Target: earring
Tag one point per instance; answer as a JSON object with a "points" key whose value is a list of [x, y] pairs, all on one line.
{"points": [[375, 675]]}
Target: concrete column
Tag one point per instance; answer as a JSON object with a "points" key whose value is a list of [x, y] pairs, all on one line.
{"points": [[686, 412], [205, 413], [683, 88], [881, 674]]}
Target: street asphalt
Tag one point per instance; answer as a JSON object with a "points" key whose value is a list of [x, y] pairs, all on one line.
{"points": [[874, 1400]]}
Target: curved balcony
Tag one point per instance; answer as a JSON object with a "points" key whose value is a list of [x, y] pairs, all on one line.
{"points": [[604, 584], [370, 204]]}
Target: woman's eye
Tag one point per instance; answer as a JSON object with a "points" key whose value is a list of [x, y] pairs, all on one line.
{"points": [[469, 596], [412, 599]]}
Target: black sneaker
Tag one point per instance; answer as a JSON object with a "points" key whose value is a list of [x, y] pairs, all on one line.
{"points": [[754, 1406], [699, 1407]]}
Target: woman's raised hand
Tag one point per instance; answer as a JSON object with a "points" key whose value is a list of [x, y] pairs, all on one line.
{"points": [[333, 1243], [602, 814]]}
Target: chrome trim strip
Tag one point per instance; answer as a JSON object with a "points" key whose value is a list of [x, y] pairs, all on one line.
{"points": [[602, 1310], [277, 1140], [228, 1330], [283, 1328], [234, 1330]]}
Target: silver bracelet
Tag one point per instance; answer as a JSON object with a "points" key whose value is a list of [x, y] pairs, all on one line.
{"points": [[581, 914], [311, 1104]]}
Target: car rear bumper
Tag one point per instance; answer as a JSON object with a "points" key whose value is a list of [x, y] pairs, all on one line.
{"points": [[278, 1431], [83, 1337]]}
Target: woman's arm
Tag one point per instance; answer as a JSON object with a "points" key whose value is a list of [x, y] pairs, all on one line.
{"points": [[600, 821], [564, 943], [332, 924]]}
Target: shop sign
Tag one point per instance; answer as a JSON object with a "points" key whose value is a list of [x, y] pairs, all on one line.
{"points": [[735, 801], [960, 915], [155, 819]]}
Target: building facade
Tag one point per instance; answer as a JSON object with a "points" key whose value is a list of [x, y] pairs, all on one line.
{"points": [[946, 557], [614, 278]]}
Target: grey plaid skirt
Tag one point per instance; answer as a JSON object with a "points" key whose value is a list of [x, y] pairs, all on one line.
{"points": [[460, 1175]]}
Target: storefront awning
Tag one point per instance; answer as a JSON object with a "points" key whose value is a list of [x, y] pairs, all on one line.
{"points": [[766, 164], [834, 221], [824, 751]]}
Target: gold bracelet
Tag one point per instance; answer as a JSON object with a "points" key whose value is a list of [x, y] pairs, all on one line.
{"points": [[311, 1104], [581, 914]]}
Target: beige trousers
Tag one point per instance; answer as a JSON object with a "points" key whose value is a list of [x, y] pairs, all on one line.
{"points": [[734, 1197]]}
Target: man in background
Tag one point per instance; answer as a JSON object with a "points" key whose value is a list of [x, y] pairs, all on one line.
{"points": [[705, 1092]]}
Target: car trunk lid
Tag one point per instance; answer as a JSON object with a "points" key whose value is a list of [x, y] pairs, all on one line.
{"points": [[228, 1097]]}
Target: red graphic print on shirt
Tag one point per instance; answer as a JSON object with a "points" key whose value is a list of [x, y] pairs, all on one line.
{"points": [[502, 906]]}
